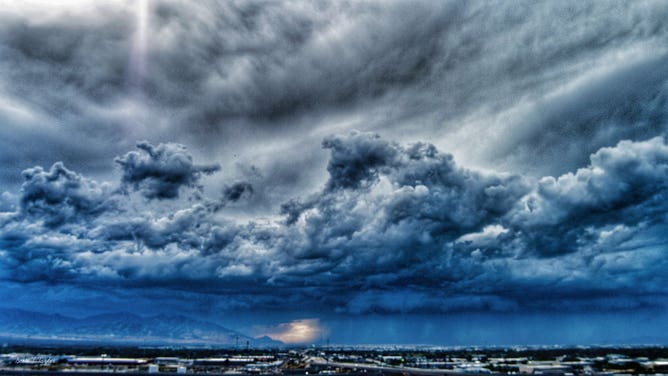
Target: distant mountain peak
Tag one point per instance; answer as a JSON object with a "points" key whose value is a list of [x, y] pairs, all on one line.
{"points": [[122, 327]]}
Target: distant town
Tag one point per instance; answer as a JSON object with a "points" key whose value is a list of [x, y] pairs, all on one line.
{"points": [[327, 360]]}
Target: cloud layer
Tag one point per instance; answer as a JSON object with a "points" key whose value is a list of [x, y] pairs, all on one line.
{"points": [[396, 228], [499, 86]]}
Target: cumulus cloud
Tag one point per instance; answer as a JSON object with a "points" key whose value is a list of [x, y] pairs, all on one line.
{"points": [[58, 196], [355, 161], [623, 185], [158, 172], [396, 228]]}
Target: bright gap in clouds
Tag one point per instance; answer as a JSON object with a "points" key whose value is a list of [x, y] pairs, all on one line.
{"points": [[298, 331]]}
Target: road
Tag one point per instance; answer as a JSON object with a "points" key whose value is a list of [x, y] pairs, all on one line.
{"points": [[322, 362]]}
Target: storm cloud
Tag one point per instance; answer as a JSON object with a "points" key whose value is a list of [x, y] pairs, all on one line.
{"points": [[396, 228], [360, 157], [160, 171], [58, 195]]}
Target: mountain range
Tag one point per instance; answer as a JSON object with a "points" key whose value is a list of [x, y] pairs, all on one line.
{"points": [[122, 327]]}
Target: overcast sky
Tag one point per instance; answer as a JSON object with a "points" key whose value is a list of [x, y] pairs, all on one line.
{"points": [[454, 172]]}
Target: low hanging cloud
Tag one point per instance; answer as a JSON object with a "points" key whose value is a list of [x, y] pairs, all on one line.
{"points": [[395, 228]]}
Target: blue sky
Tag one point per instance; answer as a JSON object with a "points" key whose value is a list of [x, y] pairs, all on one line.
{"points": [[369, 172]]}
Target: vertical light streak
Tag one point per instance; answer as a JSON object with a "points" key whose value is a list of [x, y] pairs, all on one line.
{"points": [[139, 53]]}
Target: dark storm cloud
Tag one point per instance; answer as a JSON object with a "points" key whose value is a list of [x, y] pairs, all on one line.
{"points": [[396, 228], [183, 228], [75, 61], [356, 161], [59, 196], [266, 56], [413, 201], [64, 84], [160, 171], [236, 191], [280, 60], [622, 186]]}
